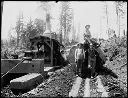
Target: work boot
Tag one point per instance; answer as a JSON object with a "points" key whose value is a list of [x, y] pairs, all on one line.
{"points": [[94, 76]]}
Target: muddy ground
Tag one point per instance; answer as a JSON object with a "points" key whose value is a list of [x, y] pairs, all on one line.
{"points": [[61, 82]]}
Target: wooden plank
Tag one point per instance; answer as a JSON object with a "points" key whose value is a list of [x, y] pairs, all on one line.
{"points": [[75, 87], [101, 87], [87, 88]]}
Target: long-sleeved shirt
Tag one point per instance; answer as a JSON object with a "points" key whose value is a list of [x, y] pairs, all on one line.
{"points": [[79, 54], [87, 33]]}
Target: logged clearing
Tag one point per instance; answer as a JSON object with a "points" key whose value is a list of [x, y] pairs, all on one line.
{"points": [[64, 83]]}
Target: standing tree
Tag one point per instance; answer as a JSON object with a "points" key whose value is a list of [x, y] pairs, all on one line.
{"points": [[40, 25], [120, 11], [106, 16], [19, 28], [11, 39], [31, 29], [65, 20], [73, 29], [106, 6]]}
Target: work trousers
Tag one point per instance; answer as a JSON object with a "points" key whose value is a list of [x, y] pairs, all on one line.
{"points": [[92, 63], [79, 65]]}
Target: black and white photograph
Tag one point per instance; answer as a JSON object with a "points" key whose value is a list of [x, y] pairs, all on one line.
{"points": [[64, 49]]}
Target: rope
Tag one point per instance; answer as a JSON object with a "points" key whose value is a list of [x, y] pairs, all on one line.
{"points": [[12, 68]]}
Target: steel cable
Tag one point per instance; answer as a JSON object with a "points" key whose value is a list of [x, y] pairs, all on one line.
{"points": [[12, 68]]}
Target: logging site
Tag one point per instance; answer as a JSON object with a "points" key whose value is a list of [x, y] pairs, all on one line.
{"points": [[64, 49]]}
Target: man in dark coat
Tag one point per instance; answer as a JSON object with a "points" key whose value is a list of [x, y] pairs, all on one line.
{"points": [[88, 68]]}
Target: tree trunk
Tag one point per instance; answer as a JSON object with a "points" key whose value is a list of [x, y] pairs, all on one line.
{"points": [[17, 39], [118, 19], [119, 25], [107, 17]]}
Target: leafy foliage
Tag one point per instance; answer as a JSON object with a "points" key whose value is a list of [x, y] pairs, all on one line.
{"points": [[116, 50], [40, 25], [21, 41]]}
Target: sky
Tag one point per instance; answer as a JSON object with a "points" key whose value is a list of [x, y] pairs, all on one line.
{"points": [[11, 10], [90, 12], [87, 13]]}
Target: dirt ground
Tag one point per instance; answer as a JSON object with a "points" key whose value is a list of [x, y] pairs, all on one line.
{"points": [[61, 82]]}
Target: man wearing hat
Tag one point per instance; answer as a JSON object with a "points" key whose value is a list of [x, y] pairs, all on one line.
{"points": [[87, 31], [90, 58]]}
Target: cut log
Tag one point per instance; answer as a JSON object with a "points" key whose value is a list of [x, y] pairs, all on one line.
{"points": [[28, 81]]}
